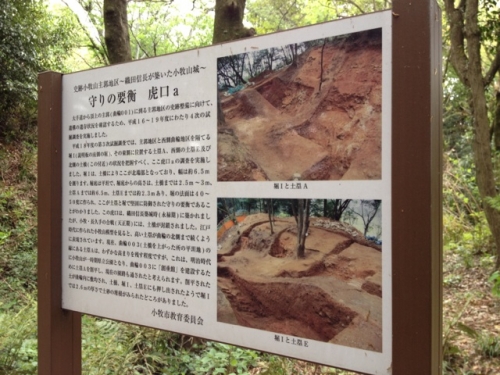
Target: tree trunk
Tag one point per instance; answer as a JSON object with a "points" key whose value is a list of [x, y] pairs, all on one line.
{"points": [[375, 206], [294, 55], [338, 208], [116, 33], [321, 65], [466, 60], [234, 66], [228, 21], [228, 25], [270, 212], [302, 226]]}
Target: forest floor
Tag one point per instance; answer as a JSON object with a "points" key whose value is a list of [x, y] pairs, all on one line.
{"points": [[471, 316], [317, 124], [333, 294]]}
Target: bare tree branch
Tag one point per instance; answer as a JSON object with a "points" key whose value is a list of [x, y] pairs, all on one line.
{"points": [[356, 6], [139, 45], [494, 68]]}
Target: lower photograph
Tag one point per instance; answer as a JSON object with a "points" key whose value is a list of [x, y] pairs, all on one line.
{"points": [[309, 268]]}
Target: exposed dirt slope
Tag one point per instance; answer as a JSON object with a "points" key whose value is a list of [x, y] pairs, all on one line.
{"points": [[286, 125], [334, 294]]}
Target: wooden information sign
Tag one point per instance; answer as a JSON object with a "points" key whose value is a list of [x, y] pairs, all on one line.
{"points": [[280, 193]]}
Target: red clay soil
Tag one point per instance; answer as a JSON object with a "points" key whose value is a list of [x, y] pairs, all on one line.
{"points": [[285, 125], [334, 294]]}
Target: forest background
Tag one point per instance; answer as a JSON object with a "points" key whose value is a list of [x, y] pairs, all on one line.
{"points": [[72, 35]]}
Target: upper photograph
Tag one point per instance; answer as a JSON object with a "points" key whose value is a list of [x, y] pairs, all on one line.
{"points": [[303, 111]]}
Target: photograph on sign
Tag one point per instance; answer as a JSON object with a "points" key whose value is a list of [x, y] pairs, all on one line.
{"points": [[161, 228], [308, 268], [310, 110]]}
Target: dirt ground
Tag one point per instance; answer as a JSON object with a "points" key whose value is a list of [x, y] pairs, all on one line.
{"points": [[285, 125], [333, 295]]}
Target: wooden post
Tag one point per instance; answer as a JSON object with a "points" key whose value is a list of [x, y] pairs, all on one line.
{"points": [[59, 331], [416, 188]]}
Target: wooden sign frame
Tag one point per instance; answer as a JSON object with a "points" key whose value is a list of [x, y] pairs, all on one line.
{"points": [[416, 205]]}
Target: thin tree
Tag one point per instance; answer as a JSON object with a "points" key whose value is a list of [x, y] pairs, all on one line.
{"points": [[321, 65], [301, 213], [251, 69], [225, 73], [237, 64], [369, 209], [293, 51], [270, 213], [269, 57], [228, 208], [286, 58], [338, 208]]}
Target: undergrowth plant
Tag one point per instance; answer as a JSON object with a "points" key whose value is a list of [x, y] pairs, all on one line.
{"points": [[18, 219], [18, 240], [488, 344], [111, 347], [18, 339], [217, 358], [466, 232], [495, 281], [467, 241]]}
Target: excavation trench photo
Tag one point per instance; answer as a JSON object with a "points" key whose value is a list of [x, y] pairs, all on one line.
{"points": [[332, 294], [311, 110]]}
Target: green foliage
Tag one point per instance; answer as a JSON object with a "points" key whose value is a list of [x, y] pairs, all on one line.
{"points": [[18, 210], [451, 332], [91, 31], [276, 365], [18, 343], [494, 202], [465, 238], [32, 41], [488, 344], [109, 347], [155, 28], [460, 191], [488, 24], [115, 348], [495, 280], [219, 358], [269, 16], [466, 231], [158, 28], [468, 245], [18, 251], [457, 125]]}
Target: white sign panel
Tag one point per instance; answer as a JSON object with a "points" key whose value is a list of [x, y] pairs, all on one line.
{"points": [[240, 193]]}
